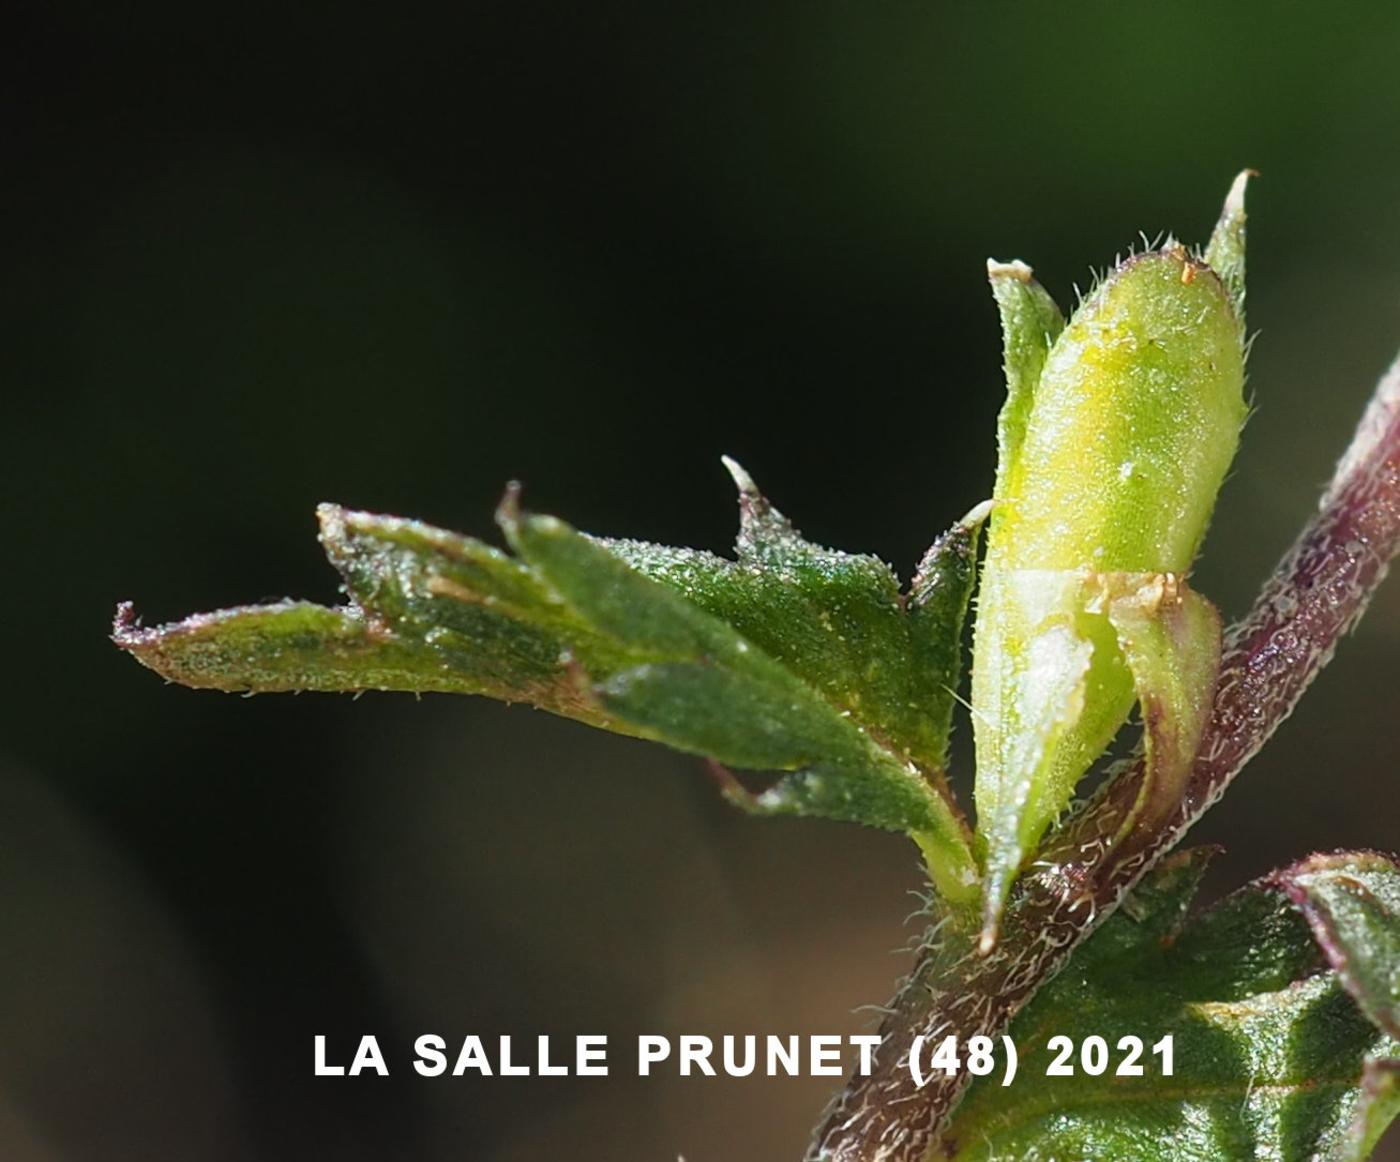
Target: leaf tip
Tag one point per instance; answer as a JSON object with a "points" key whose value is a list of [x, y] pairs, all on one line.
{"points": [[127, 632], [331, 531], [742, 480], [761, 526], [948, 562], [508, 510], [330, 518], [147, 644]]}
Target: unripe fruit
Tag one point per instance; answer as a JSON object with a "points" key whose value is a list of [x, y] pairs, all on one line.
{"points": [[1116, 436]]}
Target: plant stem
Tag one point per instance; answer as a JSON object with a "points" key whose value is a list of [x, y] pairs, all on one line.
{"points": [[1316, 595]]}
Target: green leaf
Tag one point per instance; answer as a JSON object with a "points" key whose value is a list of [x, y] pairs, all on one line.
{"points": [[1273, 1058], [937, 607], [1380, 1104], [1352, 902], [481, 611], [711, 691], [837, 620], [292, 645], [793, 658]]}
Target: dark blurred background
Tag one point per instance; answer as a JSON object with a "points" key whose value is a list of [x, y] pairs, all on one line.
{"points": [[260, 258]]}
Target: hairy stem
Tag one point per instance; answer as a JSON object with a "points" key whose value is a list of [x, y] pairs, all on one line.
{"points": [[1316, 595]]}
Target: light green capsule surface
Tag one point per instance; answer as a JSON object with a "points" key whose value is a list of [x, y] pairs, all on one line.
{"points": [[1132, 426]]}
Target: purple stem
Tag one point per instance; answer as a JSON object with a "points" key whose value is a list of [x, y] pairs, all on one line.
{"points": [[1316, 595]]}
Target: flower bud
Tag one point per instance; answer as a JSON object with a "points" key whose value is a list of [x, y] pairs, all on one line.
{"points": [[1116, 436]]}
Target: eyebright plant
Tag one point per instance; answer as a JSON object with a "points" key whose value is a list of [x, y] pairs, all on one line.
{"points": [[1056, 915]]}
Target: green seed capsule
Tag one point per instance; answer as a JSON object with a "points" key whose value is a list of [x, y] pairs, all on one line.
{"points": [[1115, 439]]}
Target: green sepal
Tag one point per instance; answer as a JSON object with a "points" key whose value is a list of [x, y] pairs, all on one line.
{"points": [[1086, 645], [1170, 638], [1030, 322], [1029, 706], [1225, 252], [1132, 426]]}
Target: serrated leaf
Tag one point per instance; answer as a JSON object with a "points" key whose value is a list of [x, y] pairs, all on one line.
{"points": [[1272, 1055], [638, 639], [709, 690], [1158, 906], [296, 645], [482, 611], [837, 619]]}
